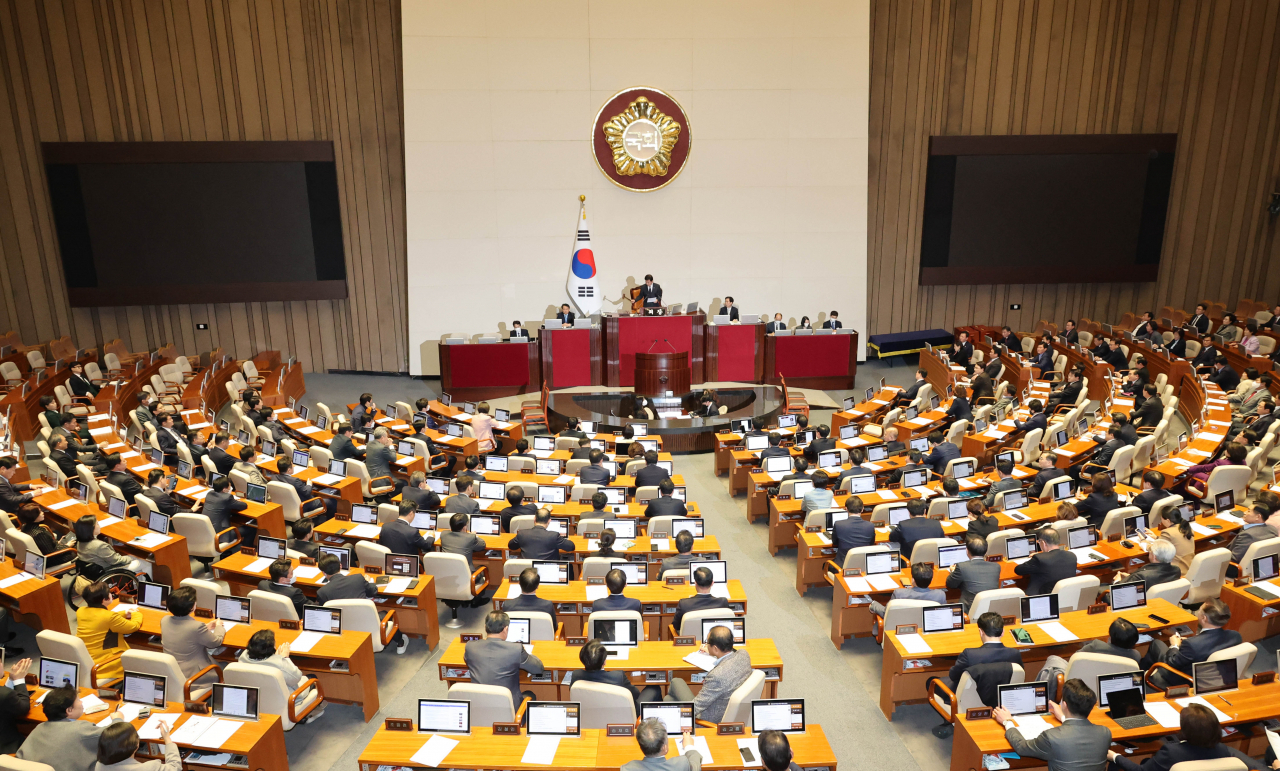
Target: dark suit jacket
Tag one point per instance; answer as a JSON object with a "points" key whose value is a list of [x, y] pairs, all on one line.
{"points": [[1103, 456], [127, 484], [832, 324], [1155, 573], [961, 357], [594, 475], [1072, 337], [655, 292], [615, 602], [981, 386], [219, 507], [822, 444], [1174, 751], [14, 704], [914, 529], [1199, 648], [294, 594], [66, 464], [1037, 420], [521, 332], [221, 460], [1149, 414], [775, 326], [164, 501], [309, 548], [732, 313], [1041, 479], [168, 443], [941, 455], [511, 512], [403, 538], [1200, 322], [665, 506], [913, 390], [581, 453], [774, 452], [699, 602], [565, 318], [1178, 348], [1068, 394], [1147, 498], [959, 409], [531, 603], [1116, 359], [352, 586], [850, 534], [1011, 342], [1095, 507], [420, 497], [1045, 569], [1226, 378], [650, 475], [539, 543], [342, 448], [1043, 362], [303, 488], [989, 653]]}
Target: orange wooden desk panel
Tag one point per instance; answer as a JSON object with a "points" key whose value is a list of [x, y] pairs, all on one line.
{"points": [[35, 602], [479, 749], [899, 685], [358, 685], [810, 749], [1253, 617]]}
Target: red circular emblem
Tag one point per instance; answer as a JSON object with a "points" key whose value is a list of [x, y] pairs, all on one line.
{"points": [[641, 139]]}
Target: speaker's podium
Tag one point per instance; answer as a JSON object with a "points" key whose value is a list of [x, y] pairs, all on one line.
{"points": [[657, 373]]}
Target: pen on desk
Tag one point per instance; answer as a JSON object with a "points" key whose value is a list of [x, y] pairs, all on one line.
{"points": [[1229, 704]]}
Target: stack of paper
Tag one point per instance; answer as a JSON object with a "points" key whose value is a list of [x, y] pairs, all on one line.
{"points": [[699, 744], [1269, 587], [434, 751], [62, 504], [596, 592], [258, 565], [1222, 716], [882, 582], [191, 730], [308, 430], [1031, 726], [541, 750], [858, 585], [306, 571], [1057, 631], [217, 734], [305, 642], [152, 540], [513, 591], [327, 479], [16, 579], [887, 495], [396, 585], [914, 643], [364, 531], [702, 661], [720, 590]]}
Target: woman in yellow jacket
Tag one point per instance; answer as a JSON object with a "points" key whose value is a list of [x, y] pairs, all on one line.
{"points": [[103, 630]]}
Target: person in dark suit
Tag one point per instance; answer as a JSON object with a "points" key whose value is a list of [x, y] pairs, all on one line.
{"points": [[799, 470], [852, 532], [584, 450], [1178, 345], [1099, 502], [1102, 457], [596, 473], [352, 586], [1200, 320], [120, 477], [980, 388], [616, 580], [79, 384], [1005, 482], [833, 321], [1068, 392], [12, 495], [168, 438], [1201, 741], [777, 325], [284, 467], [891, 443], [435, 456], [59, 457], [857, 456], [974, 575], [15, 703], [1255, 529], [912, 391], [495, 661], [516, 507], [529, 601], [539, 543], [1070, 332], [959, 409], [342, 447], [824, 442], [775, 448], [1152, 491], [222, 460], [1047, 462], [1043, 359], [1223, 375], [1115, 356], [281, 582], [1159, 570], [1008, 339], [471, 468], [1076, 745], [665, 505], [991, 651], [302, 541], [1180, 654], [1037, 419], [652, 473], [961, 351], [1266, 416], [729, 309], [593, 656], [401, 537], [517, 331], [417, 493], [565, 316], [1049, 566], [941, 452], [219, 504], [914, 528], [702, 599], [651, 293], [155, 491]]}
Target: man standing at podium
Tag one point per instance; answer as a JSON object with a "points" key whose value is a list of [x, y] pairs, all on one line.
{"points": [[651, 292]]}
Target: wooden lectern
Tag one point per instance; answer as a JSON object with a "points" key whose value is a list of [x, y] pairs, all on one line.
{"points": [[657, 373]]}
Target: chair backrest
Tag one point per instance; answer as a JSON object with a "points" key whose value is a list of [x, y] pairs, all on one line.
{"points": [[1005, 601], [540, 626], [572, 467], [1090, 666], [738, 710], [1113, 523], [489, 703], [1160, 509], [451, 575], [603, 704], [1206, 573], [691, 623], [273, 692], [22, 543], [1242, 653], [995, 541], [581, 491], [857, 556], [68, 647], [1217, 764], [286, 496], [206, 592], [926, 549], [1223, 478], [967, 692], [387, 513], [515, 567], [1076, 593], [1031, 446], [371, 553], [646, 493], [198, 530], [899, 612], [1172, 591], [239, 481], [593, 567], [1258, 549], [956, 432], [362, 616], [1121, 462], [14, 763], [320, 457], [157, 663], [269, 606], [952, 463], [612, 615]]}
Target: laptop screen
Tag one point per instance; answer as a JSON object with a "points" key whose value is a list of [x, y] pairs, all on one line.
{"points": [[255, 493], [737, 625], [1123, 681], [957, 509], [158, 523], [637, 573], [495, 463], [552, 494], [235, 701], [829, 459], [317, 618], [552, 572], [777, 464], [401, 565], [229, 608], [184, 469], [677, 716], [492, 491], [1265, 567], [862, 483], [741, 426], [622, 528], [1062, 490], [152, 595], [962, 470], [691, 524], [950, 555], [444, 716], [140, 688], [365, 515], [1018, 548], [1215, 676], [270, 548], [484, 524], [916, 478], [618, 631], [1039, 607], [1129, 595], [757, 442], [406, 448], [615, 496], [786, 715], [943, 618], [1025, 698], [554, 718], [1133, 526], [56, 673], [882, 562], [547, 466], [1080, 537], [719, 569], [898, 514], [343, 553]]}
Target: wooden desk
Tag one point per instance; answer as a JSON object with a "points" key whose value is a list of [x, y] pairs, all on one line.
{"points": [[284, 382], [657, 603], [34, 602], [810, 750], [902, 685], [208, 391], [828, 362], [479, 749], [415, 608], [260, 741], [660, 657], [1253, 617], [357, 685]]}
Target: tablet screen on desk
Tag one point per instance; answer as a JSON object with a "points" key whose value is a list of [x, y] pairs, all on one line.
{"points": [[882, 562], [317, 618], [235, 701], [1019, 547], [553, 718], [56, 673], [736, 625], [158, 523], [898, 514], [622, 528], [677, 716], [1123, 681], [559, 525], [343, 554], [437, 485], [550, 572], [951, 555], [518, 630], [401, 565], [757, 442], [615, 496], [495, 463], [270, 548], [338, 467], [364, 515], [957, 509], [1215, 676], [719, 569], [141, 688], [587, 426], [921, 444], [547, 466], [444, 716], [255, 493], [152, 595], [1080, 537], [544, 443], [693, 525], [801, 488], [230, 608], [1014, 499], [424, 520], [184, 469], [493, 491], [848, 430], [1025, 698], [1265, 567], [786, 715], [877, 452], [943, 618], [651, 444], [829, 459], [1062, 491], [639, 429], [637, 573], [787, 421], [1128, 595], [777, 464], [116, 507], [962, 470], [740, 426], [916, 478], [1039, 607], [617, 632], [551, 493], [485, 524], [862, 483]]}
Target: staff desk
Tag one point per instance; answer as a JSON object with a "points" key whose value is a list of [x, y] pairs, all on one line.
{"points": [[1250, 704], [357, 685], [36, 602], [659, 659], [416, 611], [809, 749], [461, 446], [657, 603], [260, 742], [903, 684], [171, 559], [480, 749]]}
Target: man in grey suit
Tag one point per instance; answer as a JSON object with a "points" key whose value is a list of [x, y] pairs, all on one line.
{"points": [[921, 577], [459, 541], [976, 575], [729, 673], [462, 502], [219, 505], [1005, 482], [380, 459], [189, 639], [683, 556], [1255, 529], [652, 738], [1076, 745], [64, 741], [494, 661]]}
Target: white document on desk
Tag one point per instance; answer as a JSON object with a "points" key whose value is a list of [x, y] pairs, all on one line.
{"points": [[699, 744], [309, 430], [1057, 631], [1164, 713], [150, 730], [197, 426], [720, 590], [11, 580], [217, 734], [703, 661], [1031, 726], [541, 750], [99, 431], [306, 571], [1222, 716], [513, 591], [597, 592], [191, 729], [914, 643], [305, 642], [887, 495], [564, 479], [151, 540], [1200, 529], [1274, 740], [327, 479], [1269, 587], [858, 585], [434, 751], [925, 492], [364, 531], [62, 504], [258, 565], [396, 586], [1210, 437], [882, 582]]}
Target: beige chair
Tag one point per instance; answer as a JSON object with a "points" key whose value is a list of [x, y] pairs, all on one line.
{"points": [[1217, 764], [387, 513], [239, 481], [202, 542], [580, 491], [489, 703], [1243, 653], [899, 612], [926, 549], [369, 487], [522, 522], [68, 647], [14, 763], [177, 687], [320, 457], [206, 591], [23, 543], [691, 623], [1207, 573], [540, 626], [1076, 593], [454, 581], [948, 703], [1007, 601], [596, 567], [362, 616], [646, 493], [1171, 591], [371, 553], [1029, 450], [738, 710], [1113, 522], [614, 615], [290, 502], [514, 568], [996, 541], [269, 606], [602, 704], [305, 703], [1223, 478], [889, 419], [1090, 666]]}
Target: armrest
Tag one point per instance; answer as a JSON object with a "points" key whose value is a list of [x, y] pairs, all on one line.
{"points": [[298, 717], [389, 482], [93, 672], [480, 588], [390, 627], [524, 703], [706, 724], [877, 628], [57, 569], [931, 688], [559, 635], [671, 628], [186, 687], [231, 545], [1150, 430], [1160, 665]]}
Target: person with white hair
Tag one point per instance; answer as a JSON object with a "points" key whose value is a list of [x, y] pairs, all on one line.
{"points": [[1160, 570], [652, 738], [380, 458]]}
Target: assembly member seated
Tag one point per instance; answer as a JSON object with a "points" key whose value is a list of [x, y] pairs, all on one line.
{"points": [[596, 473], [529, 601], [730, 671], [1180, 654], [1201, 741], [652, 738], [921, 577], [853, 531], [701, 599], [652, 473], [1076, 745], [975, 574], [516, 507], [833, 321], [914, 528], [683, 556], [729, 309], [992, 651], [616, 581], [1049, 566], [593, 655], [494, 661], [665, 505], [401, 537], [462, 502], [281, 583], [539, 543], [63, 740]]}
